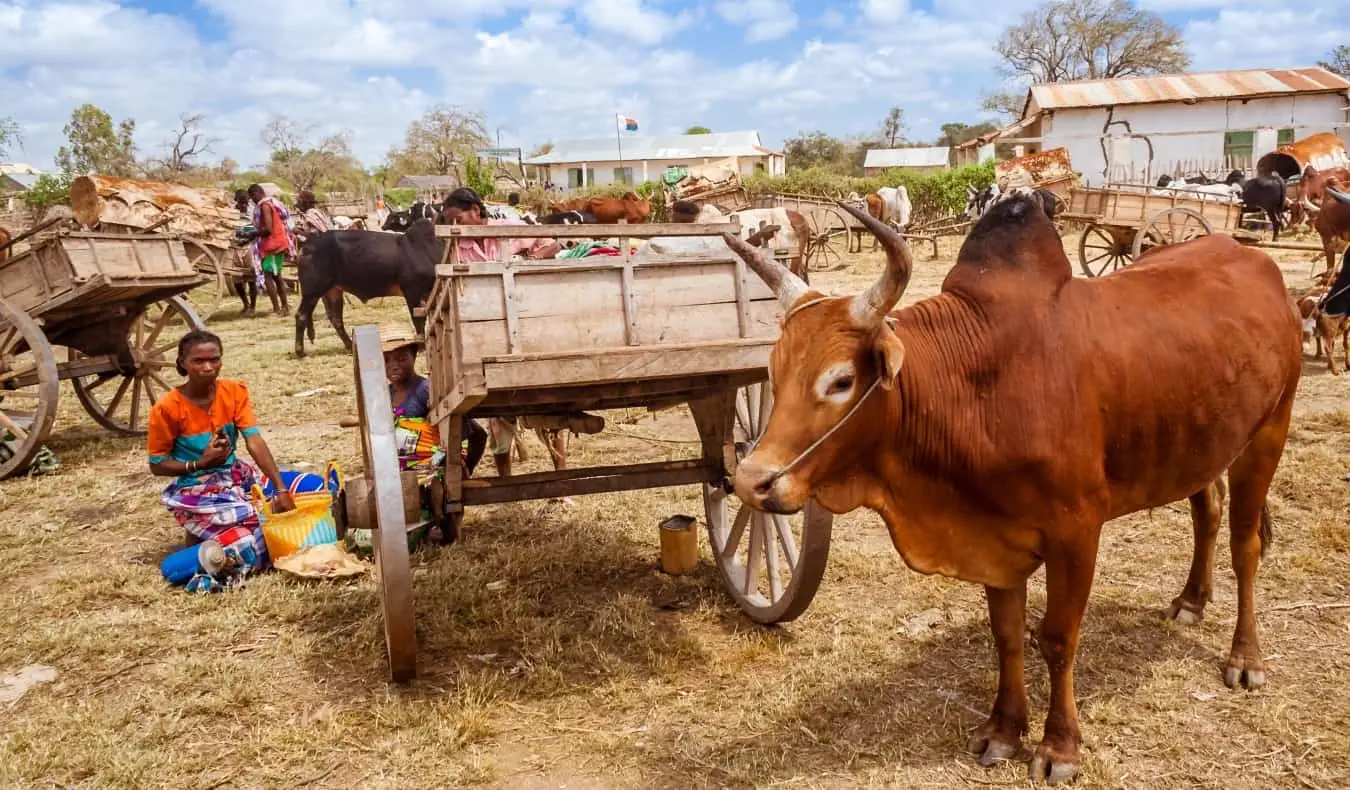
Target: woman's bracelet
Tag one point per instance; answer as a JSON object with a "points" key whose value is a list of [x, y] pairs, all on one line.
{"points": [[191, 466]]}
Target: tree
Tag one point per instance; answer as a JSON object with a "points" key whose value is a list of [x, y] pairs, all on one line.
{"points": [[439, 141], [893, 127], [953, 134], [698, 130], [188, 142], [816, 149], [295, 160], [1340, 61], [9, 135], [96, 146], [1086, 39]]}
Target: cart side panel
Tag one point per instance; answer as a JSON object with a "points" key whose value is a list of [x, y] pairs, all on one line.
{"points": [[125, 259], [33, 279]]}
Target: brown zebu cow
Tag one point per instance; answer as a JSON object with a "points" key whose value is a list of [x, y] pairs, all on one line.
{"points": [[609, 210], [1330, 217], [1020, 409]]}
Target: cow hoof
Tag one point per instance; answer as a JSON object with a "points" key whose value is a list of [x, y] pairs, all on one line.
{"points": [[991, 749], [1181, 613], [1244, 673], [1053, 769]]}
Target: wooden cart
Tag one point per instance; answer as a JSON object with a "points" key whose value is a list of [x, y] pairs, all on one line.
{"points": [[829, 226], [113, 302], [1123, 221], [558, 338]]}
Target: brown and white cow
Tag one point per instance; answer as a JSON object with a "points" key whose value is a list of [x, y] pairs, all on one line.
{"points": [[999, 425]]}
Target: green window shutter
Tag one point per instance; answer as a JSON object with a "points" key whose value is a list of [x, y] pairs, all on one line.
{"points": [[1284, 137]]}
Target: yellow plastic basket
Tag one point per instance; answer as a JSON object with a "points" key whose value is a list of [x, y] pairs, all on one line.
{"points": [[312, 523]]}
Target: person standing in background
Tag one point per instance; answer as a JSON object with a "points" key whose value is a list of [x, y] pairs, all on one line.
{"points": [[273, 245]]}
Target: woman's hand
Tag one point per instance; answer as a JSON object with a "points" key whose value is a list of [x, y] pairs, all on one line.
{"points": [[283, 501], [216, 452]]}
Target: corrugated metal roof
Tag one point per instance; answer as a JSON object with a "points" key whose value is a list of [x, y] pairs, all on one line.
{"points": [[428, 182], [10, 168], [907, 157], [25, 180], [717, 145], [1181, 87]]}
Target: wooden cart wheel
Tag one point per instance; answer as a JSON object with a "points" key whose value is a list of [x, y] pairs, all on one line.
{"points": [[393, 571], [828, 226], [152, 348], [29, 389], [1102, 249], [207, 298], [772, 564], [1170, 226]]}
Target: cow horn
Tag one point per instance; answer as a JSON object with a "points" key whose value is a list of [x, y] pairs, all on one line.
{"points": [[1308, 205], [872, 305], [787, 286]]}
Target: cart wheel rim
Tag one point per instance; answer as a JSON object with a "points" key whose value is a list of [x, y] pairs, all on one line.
{"points": [[29, 389], [771, 564], [393, 569], [120, 397], [1171, 226], [208, 297], [1100, 252]]}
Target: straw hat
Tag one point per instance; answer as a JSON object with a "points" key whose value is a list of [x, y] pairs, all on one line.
{"points": [[396, 336]]}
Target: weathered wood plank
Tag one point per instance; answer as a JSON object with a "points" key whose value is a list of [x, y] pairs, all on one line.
{"points": [[594, 480], [638, 231], [624, 364]]}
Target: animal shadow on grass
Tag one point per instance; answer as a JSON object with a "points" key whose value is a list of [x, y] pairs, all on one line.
{"points": [[863, 713], [555, 604]]}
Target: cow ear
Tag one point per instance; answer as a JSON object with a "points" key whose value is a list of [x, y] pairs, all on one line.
{"points": [[890, 354]]}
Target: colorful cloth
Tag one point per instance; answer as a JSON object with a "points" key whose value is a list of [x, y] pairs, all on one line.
{"points": [[210, 503], [271, 264], [181, 430], [280, 241], [244, 551]]}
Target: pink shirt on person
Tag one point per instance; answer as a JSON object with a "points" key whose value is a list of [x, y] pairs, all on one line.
{"points": [[487, 249]]}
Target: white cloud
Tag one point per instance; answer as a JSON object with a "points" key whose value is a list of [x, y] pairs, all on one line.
{"points": [[764, 20], [1267, 37], [631, 19], [884, 11]]}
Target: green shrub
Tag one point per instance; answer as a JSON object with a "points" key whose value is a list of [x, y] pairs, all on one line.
{"points": [[49, 190], [933, 195], [399, 198]]}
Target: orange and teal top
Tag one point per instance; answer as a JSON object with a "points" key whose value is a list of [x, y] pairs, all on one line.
{"points": [[181, 430]]}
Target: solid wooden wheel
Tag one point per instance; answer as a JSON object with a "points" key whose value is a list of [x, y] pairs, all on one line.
{"points": [[828, 228], [771, 564], [29, 389], [1170, 226], [207, 298], [393, 571], [1102, 249], [120, 398]]}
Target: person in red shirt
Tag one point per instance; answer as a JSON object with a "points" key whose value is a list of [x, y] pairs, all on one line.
{"points": [[193, 433], [273, 245]]}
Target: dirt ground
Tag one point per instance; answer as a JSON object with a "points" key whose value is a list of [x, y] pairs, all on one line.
{"points": [[554, 654]]}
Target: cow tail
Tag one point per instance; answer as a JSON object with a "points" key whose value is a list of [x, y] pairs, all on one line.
{"points": [[1267, 530]]}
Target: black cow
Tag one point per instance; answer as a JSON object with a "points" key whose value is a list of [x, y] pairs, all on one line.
{"points": [[366, 264], [1263, 193], [400, 221], [568, 218]]}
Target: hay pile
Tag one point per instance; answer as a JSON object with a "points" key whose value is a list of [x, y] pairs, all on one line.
{"points": [[125, 203]]}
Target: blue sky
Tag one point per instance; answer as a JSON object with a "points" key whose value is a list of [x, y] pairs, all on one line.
{"points": [[552, 69]]}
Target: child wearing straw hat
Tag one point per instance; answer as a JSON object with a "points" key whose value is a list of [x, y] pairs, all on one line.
{"points": [[410, 393]]}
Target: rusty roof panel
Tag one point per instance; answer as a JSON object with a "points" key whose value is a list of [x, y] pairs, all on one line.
{"points": [[1181, 87]]}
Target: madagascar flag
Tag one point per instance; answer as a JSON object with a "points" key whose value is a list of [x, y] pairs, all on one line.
{"points": [[629, 124]]}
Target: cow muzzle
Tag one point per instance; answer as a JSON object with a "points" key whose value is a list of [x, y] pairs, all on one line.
{"points": [[766, 487]]}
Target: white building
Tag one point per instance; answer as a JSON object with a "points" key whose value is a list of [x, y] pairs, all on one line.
{"points": [[1134, 129], [572, 164], [913, 160]]}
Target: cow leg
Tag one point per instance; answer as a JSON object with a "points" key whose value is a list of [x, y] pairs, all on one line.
{"points": [[1069, 568], [1326, 334], [1000, 738], [1250, 534], [333, 305], [1206, 511], [304, 318]]}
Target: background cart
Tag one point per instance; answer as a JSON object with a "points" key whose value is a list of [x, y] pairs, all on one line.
{"points": [[830, 227], [559, 338], [1123, 221], [113, 302]]}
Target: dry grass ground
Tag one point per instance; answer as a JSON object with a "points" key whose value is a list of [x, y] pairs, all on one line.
{"points": [[583, 666]]}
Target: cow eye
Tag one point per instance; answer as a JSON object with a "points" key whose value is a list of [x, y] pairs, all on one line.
{"points": [[842, 384]]}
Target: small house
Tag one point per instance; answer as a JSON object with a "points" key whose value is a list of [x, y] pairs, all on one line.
{"points": [[911, 160], [574, 164], [1133, 129]]}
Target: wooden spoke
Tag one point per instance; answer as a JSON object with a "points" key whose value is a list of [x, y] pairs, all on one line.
{"points": [[152, 342], [29, 389], [207, 298], [1171, 226], [1101, 250], [772, 564]]}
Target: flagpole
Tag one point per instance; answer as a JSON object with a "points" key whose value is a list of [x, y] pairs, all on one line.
{"points": [[618, 139]]}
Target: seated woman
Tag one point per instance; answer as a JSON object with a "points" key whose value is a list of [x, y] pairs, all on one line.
{"points": [[410, 396], [193, 433]]}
